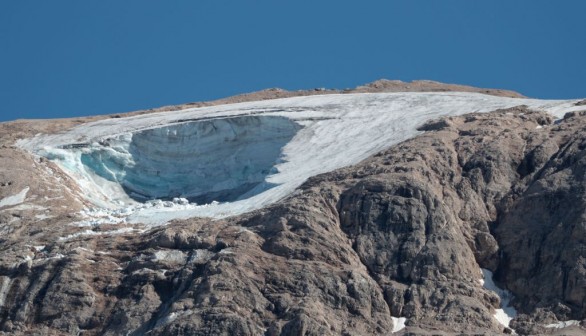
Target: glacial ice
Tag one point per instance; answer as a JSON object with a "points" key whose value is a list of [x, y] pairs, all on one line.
{"points": [[234, 158], [202, 161]]}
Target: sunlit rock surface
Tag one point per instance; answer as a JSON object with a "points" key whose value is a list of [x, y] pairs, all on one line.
{"points": [[382, 211]]}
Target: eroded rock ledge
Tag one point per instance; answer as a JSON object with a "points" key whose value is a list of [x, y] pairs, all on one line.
{"points": [[404, 233]]}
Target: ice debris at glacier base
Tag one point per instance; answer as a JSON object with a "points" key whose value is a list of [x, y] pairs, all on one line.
{"points": [[335, 131], [95, 217]]}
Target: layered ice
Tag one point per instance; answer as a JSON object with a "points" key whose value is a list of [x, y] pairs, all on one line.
{"points": [[220, 159], [235, 158]]}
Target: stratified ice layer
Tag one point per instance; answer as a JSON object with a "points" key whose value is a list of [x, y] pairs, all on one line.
{"points": [[216, 159]]}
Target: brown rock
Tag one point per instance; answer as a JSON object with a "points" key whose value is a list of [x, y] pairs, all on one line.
{"points": [[403, 233]]}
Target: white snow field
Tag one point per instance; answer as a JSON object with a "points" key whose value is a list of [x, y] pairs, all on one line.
{"points": [[230, 159]]}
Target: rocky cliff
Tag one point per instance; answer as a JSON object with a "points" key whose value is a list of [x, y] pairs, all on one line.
{"points": [[403, 234]]}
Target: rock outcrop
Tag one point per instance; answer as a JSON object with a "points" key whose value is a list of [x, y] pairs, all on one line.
{"points": [[402, 234]]}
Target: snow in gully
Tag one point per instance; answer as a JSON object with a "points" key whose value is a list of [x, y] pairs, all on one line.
{"points": [[225, 160]]}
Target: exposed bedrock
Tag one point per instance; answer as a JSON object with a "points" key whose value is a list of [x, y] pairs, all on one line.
{"points": [[402, 234], [217, 159], [497, 192]]}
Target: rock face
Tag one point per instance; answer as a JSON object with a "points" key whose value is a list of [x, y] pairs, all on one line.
{"points": [[402, 234]]}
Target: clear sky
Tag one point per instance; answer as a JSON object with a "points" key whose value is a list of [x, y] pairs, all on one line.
{"points": [[72, 58]]}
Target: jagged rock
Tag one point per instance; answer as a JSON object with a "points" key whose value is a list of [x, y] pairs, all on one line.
{"points": [[404, 233]]}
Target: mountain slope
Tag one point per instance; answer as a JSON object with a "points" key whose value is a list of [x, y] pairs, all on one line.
{"points": [[214, 153], [403, 233]]}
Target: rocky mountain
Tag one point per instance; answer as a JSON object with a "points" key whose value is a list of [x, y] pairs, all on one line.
{"points": [[474, 223]]}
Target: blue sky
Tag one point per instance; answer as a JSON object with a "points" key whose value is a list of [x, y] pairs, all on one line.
{"points": [[72, 58]]}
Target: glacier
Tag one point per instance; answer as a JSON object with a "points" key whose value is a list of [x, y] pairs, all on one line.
{"points": [[221, 159], [230, 159]]}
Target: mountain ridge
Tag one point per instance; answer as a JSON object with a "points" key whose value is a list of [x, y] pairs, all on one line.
{"points": [[403, 233]]}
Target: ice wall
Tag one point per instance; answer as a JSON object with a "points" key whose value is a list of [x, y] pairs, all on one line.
{"points": [[217, 159]]}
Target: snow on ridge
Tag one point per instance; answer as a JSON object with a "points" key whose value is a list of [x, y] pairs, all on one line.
{"points": [[336, 131]]}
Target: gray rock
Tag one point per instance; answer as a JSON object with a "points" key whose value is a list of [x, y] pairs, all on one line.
{"points": [[403, 233]]}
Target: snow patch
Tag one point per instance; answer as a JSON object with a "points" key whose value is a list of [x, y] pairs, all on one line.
{"points": [[27, 207], [43, 216], [98, 233], [171, 256], [4, 286], [505, 313], [563, 324], [79, 248], [398, 323], [14, 199], [226, 251], [55, 256], [172, 317]]}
